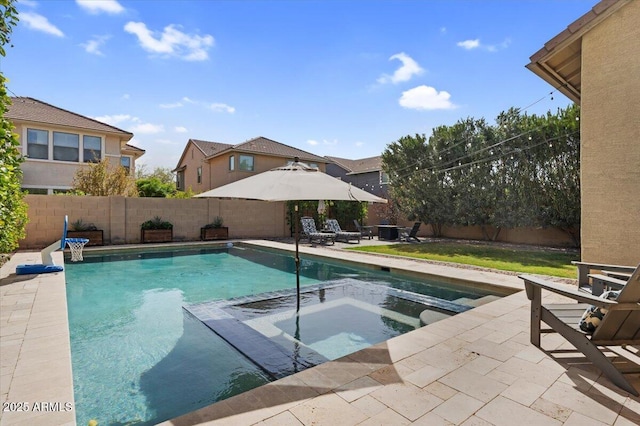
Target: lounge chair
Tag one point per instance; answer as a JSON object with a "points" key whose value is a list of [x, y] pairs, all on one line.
{"points": [[619, 326], [586, 281], [309, 230], [334, 226], [410, 234], [365, 231]]}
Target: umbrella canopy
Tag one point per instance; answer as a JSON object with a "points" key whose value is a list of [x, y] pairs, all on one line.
{"points": [[294, 182]]}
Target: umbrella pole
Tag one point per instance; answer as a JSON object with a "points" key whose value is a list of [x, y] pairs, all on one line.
{"points": [[297, 260]]}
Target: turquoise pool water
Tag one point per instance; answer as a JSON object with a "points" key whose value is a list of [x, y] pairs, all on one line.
{"points": [[139, 358]]}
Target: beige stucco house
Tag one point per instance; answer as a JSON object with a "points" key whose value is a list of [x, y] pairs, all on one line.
{"points": [[56, 143], [206, 165], [596, 63]]}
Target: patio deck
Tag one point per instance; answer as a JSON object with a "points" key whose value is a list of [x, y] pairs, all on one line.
{"points": [[476, 368]]}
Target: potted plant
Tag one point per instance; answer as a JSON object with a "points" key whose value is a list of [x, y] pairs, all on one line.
{"points": [[214, 230], [81, 229], [156, 230]]}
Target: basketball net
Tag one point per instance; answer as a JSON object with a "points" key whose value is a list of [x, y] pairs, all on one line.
{"points": [[76, 250]]}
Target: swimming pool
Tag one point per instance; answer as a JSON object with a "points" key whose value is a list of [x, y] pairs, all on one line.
{"points": [[139, 358]]}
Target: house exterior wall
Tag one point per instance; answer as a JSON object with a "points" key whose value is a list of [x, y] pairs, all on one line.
{"points": [[58, 175], [120, 217], [193, 159], [220, 174], [610, 139]]}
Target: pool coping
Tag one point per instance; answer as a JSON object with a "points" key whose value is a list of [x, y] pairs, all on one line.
{"points": [[36, 361]]}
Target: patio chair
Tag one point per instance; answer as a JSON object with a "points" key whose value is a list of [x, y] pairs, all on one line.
{"points": [[409, 234], [620, 325], [609, 278], [310, 231], [334, 226], [365, 231]]}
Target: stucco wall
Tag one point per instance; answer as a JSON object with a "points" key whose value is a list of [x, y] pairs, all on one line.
{"points": [[52, 174], [610, 138], [120, 218]]}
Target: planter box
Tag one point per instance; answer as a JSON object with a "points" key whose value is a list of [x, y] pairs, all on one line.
{"points": [[207, 234], [95, 237], [156, 235]]}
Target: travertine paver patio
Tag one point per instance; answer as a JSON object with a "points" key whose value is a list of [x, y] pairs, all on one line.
{"points": [[476, 368]]}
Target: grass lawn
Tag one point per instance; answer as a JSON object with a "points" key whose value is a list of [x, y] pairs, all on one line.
{"points": [[526, 260]]}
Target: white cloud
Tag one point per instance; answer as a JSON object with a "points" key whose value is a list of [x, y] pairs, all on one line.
{"points": [[165, 142], [29, 3], [147, 128], [408, 69], [469, 44], [93, 46], [173, 105], [131, 123], [218, 107], [98, 6], [213, 106], [172, 42], [312, 142], [180, 129], [114, 120], [38, 22], [126, 96], [476, 44], [425, 98]]}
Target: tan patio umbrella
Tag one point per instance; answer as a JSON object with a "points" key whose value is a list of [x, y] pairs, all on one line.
{"points": [[294, 182]]}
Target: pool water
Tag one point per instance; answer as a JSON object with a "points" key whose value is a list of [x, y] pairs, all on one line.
{"points": [[139, 358]]}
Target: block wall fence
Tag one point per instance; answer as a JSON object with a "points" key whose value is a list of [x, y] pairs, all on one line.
{"points": [[120, 219]]}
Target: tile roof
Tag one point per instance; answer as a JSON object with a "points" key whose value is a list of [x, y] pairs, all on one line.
{"points": [[210, 148], [261, 145], [30, 109], [363, 165]]}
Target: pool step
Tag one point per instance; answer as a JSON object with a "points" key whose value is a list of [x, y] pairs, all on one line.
{"points": [[477, 302]]}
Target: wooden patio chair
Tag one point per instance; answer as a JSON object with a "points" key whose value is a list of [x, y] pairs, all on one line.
{"points": [[410, 234], [620, 325], [365, 231], [592, 282]]}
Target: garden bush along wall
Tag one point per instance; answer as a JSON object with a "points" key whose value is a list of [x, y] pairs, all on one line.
{"points": [[523, 172], [120, 217]]}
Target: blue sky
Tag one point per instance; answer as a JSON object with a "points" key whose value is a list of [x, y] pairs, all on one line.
{"points": [[338, 78]]}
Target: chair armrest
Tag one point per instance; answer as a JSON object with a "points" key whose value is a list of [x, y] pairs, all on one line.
{"points": [[601, 266], [535, 284]]}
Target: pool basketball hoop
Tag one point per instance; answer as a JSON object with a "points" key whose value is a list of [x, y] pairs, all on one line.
{"points": [[76, 245]]}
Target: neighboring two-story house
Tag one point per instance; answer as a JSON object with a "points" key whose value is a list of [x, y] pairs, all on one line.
{"points": [[206, 165], [56, 143], [365, 173]]}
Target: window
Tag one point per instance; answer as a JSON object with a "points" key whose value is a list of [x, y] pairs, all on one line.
{"points": [[246, 163], [384, 178], [38, 144], [65, 146], [200, 174], [232, 163], [92, 149], [126, 163], [180, 180]]}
